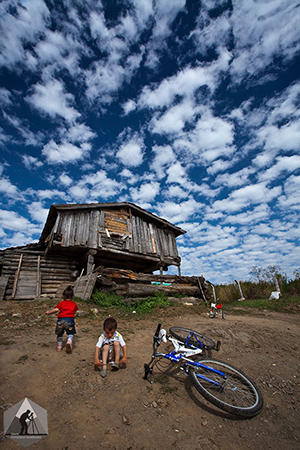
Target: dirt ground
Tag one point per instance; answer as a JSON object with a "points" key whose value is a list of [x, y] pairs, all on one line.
{"points": [[125, 412]]}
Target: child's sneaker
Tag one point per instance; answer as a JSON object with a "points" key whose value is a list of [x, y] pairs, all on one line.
{"points": [[69, 346], [59, 347], [115, 366]]}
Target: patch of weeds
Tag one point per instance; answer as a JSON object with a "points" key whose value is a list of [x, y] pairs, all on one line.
{"points": [[107, 299], [156, 300], [22, 359], [164, 382], [7, 342], [140, 306]]}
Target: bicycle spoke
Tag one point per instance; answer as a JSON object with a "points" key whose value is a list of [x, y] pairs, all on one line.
{"points": [[226, 387]]}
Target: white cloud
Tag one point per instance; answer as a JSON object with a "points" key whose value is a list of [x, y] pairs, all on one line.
{"points": [[129, 106], [65, 179], [276, 138], [176, 192], [130, 153], [261, 31], [235, 179], [94, 187], [259, 213], [78, 132], [176, 174], [164, 14], [12, 221], [31, 162], [5, 97], [37, 212], [183, 84], [282, 164], [145, 194], [25, 26], [291, 196], [249, 195], [164, 157], [64, 152], [174, 119], [7, 188], [179, 212], [52, 99], [130, 177]]}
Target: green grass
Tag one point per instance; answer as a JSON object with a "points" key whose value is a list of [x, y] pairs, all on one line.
{"points": [[140, 306], [159, 300], [285, 304]]}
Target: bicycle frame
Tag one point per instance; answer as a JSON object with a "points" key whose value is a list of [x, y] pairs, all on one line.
{"points": [[180, 352], [221, 384]]}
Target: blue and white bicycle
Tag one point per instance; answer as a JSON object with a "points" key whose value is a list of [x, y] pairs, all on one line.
{"points": [[220, 383]]}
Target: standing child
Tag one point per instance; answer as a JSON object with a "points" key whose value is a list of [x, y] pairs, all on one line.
{"points": [[110, 347], [65, 319]]}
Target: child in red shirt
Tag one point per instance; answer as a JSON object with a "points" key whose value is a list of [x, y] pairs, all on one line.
{"points": [[65, 319]]}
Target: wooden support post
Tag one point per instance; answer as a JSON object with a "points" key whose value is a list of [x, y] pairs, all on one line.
{"points": [[90, 261], [179, 270]]}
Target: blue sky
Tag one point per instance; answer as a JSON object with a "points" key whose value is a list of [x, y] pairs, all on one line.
{"points": [[189, 109]]}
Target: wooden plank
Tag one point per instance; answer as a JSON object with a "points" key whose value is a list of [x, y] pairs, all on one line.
{"points": [[152, 238], [84, 288], [26, 287], [3, 285], [79, 226], [17, 276], [102, 220], [93, 230], [134, 235], [38, 278], [71, 230]]}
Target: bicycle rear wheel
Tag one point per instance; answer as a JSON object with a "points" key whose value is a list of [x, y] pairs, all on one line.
{"points": [[192, 338], [227, 387], [212, 314]]}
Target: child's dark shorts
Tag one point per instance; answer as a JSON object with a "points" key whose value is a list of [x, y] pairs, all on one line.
{"points": [[65, 324]]}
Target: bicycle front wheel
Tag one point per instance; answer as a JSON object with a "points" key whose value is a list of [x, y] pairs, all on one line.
{"points": [[226, 387], [192, 338], [212, 314]]}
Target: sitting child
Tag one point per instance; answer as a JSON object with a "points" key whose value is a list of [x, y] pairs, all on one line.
{"points": [[110, 347]]}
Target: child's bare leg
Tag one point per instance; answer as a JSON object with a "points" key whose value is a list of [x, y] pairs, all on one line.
{"points": [[116, 351], [105, 350]]}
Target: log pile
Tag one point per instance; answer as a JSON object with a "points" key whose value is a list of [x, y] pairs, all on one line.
{"points": [[127, 283]]}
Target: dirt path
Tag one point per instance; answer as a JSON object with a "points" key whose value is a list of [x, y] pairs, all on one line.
{"points": [[124, 411]]}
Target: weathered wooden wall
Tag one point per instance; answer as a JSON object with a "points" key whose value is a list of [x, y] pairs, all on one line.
{"points": [[32, 274], [113, 229]]}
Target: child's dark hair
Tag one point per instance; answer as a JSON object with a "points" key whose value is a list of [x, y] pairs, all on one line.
{"points": [[68, 293], [110, 324]]}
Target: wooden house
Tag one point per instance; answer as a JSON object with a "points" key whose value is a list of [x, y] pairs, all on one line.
{"points": [[78, 238]]}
